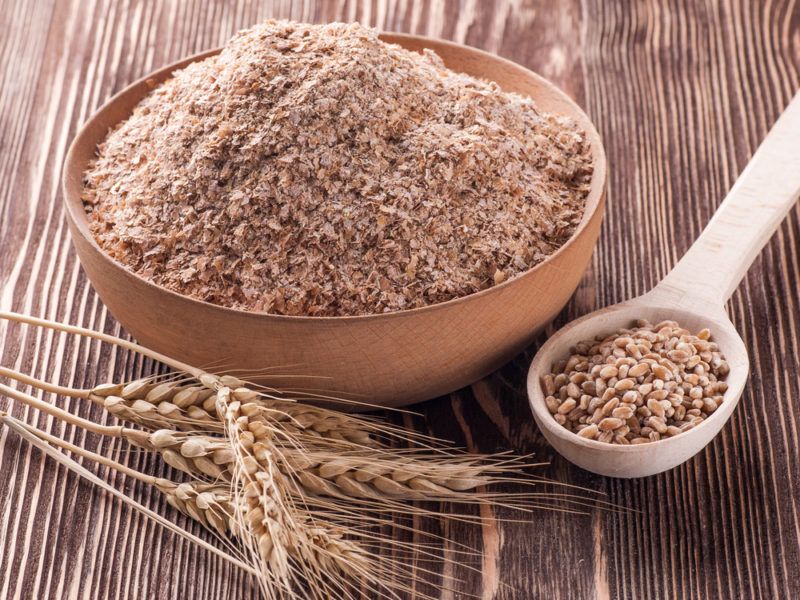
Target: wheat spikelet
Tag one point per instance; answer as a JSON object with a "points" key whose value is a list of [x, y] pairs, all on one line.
{"points": [[360, 476], [209, 504], [159, 405]]}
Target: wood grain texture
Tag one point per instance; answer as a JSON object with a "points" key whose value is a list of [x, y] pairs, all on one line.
{"points": [[682, 92]]}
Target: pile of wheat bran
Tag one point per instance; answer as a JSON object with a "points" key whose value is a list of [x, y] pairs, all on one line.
{"points": [[315, 170]]}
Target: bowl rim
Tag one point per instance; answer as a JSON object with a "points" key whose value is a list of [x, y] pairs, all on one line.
{"points": [[594, 199]]}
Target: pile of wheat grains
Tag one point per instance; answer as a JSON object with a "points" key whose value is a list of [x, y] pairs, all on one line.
{"points": [[639, 384], [315, 170]]}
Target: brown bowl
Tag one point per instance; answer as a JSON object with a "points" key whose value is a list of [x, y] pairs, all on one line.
{"points": [[387, 359]]}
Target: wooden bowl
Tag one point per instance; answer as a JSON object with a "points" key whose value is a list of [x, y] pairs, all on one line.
{"points": [[387, 359]]}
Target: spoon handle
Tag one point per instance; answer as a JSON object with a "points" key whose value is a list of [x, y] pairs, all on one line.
{"points": [[763, 194]]}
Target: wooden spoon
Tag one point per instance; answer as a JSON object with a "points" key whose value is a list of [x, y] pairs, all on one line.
{"points": [[694, 294]]}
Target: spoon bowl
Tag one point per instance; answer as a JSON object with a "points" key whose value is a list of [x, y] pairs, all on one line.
{"points": [[640, 460], [694, 294]]}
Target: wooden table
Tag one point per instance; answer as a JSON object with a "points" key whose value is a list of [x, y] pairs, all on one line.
{"points": [[682, 92]]}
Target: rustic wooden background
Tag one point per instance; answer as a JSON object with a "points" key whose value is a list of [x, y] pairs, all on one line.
{"points": [[682, 92]]}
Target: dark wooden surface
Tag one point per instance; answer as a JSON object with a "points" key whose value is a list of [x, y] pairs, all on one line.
{"points": [[682, 92]]}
